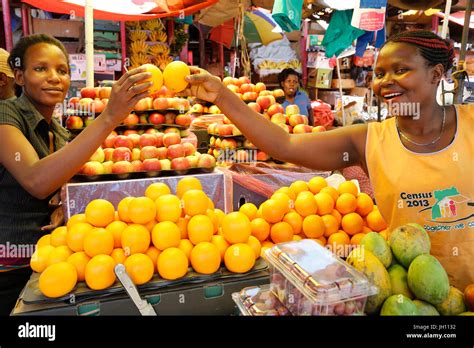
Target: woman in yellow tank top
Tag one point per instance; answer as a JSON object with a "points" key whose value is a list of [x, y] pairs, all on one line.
{"points": [[419, 162]]}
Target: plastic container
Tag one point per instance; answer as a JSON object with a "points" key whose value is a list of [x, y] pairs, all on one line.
{"points": [[259, 301], [310, 280]]}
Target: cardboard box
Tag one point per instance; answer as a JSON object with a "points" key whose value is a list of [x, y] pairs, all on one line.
{"points": [[211, 298], [320, 78], [58, 27]]}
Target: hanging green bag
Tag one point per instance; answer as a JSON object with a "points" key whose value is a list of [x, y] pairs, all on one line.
{"points": [[287, 13]]}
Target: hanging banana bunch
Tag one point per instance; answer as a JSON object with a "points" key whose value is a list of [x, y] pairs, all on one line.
{"points": [[138, 35], [159, 49], [162, 61], [139, 59], [139, 47], [154, 24], [158, 36], [133, 25]]}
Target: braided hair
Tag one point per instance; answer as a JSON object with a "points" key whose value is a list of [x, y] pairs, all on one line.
{"points": [[433, 48]]}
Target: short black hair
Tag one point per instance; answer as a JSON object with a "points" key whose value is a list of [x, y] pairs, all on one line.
{"points": [[17, 55], [287, 72], [434, 49]]}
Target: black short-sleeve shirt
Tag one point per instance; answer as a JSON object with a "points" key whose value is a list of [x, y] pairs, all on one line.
{"points": [[21, 214]]}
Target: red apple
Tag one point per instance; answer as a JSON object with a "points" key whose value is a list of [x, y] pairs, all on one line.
{"points": [[108, 154], [170, 117], [122, 154], [175, 151], [121, 167], [74, 122], [136, 153], [292, 109], [278, 118], [151, 164], [297, 119], [138, 166], [165, 164], [97, 106], [108, 167], [147, 140], [278, 93], [131, 120], [244, 79], [206, 161], [98, 155], [302, 128], [180, 104], [172, 130], [183, 120], [214, 109], [255, 107], [170, 139], [148, 152], [73, 102], [197, 108], [162, 153], [193, 161], [224, 129], [161, 104], [92, 168], [129, 132], [260, 87], [151, 131], [227, 80], [143, 104], [318, 129], [264, 102], [246, 87], [159, 139], [228, 144], [156, 118], [88, 92], [189, 149], [105, 92], [250, 96], [275, 109], [180, 163], [264, 93], [469, 297], [123, 141]]}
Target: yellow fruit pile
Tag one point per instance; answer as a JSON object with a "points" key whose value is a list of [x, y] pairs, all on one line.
{"points": [[158, 233], [336, 218]]}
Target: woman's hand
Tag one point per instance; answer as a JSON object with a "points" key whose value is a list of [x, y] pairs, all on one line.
{"points": [[126, 92], [203, 85], [57, 219]]}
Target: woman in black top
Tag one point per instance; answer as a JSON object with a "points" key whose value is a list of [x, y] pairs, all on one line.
{"points": [[34, 163]]}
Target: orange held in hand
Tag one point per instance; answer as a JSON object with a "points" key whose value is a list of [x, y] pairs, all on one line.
{"points": [[174, 76], [156, 77]]}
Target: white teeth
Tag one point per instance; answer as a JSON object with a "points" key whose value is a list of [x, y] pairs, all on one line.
{"points": [[392, 95]]}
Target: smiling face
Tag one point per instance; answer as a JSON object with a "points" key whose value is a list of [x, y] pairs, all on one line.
{"points": [[402, 75], [290, 85], [45, 76]]}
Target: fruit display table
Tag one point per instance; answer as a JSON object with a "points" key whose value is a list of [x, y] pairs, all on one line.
{"points": [[75, 196], [208, 298]]}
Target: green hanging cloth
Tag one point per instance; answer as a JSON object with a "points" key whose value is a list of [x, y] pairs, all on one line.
{"points": [[287, 13], [340, 33]]}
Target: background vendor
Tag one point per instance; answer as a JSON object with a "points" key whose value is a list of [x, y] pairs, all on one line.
{"points": [[289, 80]]}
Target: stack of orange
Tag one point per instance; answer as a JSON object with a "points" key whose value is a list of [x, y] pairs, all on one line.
{"points": [[337, 218], [158, 233]]}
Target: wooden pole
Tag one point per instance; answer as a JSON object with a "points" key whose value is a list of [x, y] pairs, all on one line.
{"points": [[24, 19], [7, 24], [123, 41]]}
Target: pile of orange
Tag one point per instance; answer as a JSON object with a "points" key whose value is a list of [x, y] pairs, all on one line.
{"points": [[159, 233], [336, 218]]}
